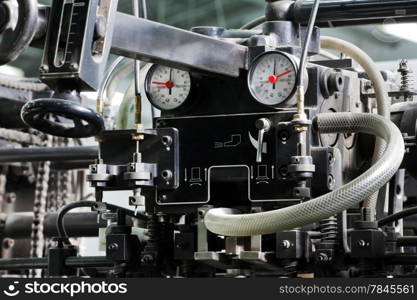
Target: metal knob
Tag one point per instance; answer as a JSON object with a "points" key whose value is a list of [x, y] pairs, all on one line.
{"points": [[263, 125]]}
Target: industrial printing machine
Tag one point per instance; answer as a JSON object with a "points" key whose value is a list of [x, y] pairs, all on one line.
{"points": [[271, 155]]}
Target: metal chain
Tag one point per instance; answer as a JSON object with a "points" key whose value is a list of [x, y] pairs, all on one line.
{"points": [[3, 181], [59, 184], [20, 137], [39, 207]]}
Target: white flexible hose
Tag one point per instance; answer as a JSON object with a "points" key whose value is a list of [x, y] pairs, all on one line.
{"points": [[224, 221], [382, 99]]}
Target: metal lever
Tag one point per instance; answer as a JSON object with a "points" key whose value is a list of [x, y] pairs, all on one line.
{"points": [[263, 125]]}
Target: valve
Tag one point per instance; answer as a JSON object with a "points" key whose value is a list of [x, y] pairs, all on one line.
{"points": [[16, 40], [263, 125], [45, 115]]}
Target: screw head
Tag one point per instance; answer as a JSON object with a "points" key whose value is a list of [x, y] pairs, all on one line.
{"points": [[323, 257], [74, 67], [362, 243], [8, 243], [113, 246], [44, 69], [163, 197], [147, 259], [167, 175], [285, 244], [284, 135], [166, 140], [11, 198]]}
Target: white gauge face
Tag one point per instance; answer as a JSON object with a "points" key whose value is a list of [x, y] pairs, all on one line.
{"points": [[167, 88], [272, 78]]}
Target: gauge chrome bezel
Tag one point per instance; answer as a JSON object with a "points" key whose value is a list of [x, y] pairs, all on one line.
{"points": [[295, 63], [148, 78]]}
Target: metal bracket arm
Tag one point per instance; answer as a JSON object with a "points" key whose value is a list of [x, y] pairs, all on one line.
{"points": [[151, 41]]}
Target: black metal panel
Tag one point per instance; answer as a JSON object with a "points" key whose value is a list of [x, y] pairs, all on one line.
{"points": [[117, 148], [218, 160]]}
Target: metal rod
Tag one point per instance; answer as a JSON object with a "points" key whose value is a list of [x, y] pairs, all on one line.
{"points": [[176, 47], [36, 154], [18, 225], [88, 262], [23, 263], [42, 263], [407, 241], [349, 12], [401, 259]]}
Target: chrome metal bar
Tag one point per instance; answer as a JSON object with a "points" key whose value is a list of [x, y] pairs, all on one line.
{"points": [[33, 154], [151, 41], [352, 12]]}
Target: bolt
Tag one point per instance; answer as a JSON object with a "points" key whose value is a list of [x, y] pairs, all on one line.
{"points": [[166, 140], [44, 69], [368, 86], [362, 243], [113, 246], [163, 197], [331, 158], [323, 257], [331, 182], [283, 171], [74, 67], [201, 213], [167, 175], [8, 243], [283, 135], [147, 259], [286, 244], [31, 178], [11, 198]]}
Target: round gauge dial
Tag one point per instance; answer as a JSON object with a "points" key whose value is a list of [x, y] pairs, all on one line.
{"points": [[167, 88], [272, 78]]}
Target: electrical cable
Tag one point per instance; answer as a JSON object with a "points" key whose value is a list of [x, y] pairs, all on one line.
{"points": [[63, 211], [397, 216], [254, 23], [91, 204]]}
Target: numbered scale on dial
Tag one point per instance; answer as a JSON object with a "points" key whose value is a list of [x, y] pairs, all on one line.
{"points": [[272, 78], [167, 88]]}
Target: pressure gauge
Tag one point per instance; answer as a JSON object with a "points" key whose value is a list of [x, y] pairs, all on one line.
{"points": [[167, 88], [272, 77]]}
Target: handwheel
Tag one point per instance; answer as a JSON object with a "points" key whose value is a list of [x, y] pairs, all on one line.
{"points": [[44, 115], [15, 41]]}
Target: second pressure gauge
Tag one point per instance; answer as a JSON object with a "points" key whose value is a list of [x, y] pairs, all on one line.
{"points": [[272, 78], [167, 88]]}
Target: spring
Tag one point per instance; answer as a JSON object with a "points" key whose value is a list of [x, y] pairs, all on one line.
{"points": [[166, 237], [406, 77], [154, 234], [328, 228]]}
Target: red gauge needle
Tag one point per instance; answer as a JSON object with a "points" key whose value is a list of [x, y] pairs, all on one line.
{"points": [[168, 84], [274, 78]]}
